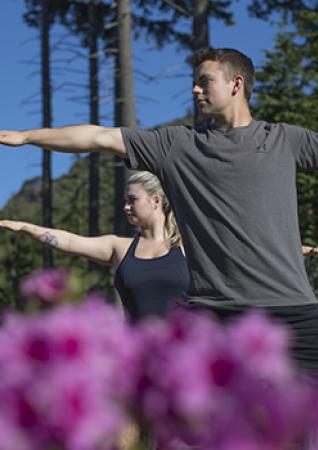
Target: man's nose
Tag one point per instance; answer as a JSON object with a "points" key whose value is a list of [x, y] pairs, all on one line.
{"points": [[196, 89]]}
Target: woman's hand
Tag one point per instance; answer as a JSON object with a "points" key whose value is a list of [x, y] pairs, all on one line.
{"points": [[12, 225], [307, 250]]}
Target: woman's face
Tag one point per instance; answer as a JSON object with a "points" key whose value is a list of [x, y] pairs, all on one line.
{"points": [[139, 206]]}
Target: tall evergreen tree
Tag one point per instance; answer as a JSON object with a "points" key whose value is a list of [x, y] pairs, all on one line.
{"points": [[46, 122], [200, 35], [94, 158], [125, 112], [286, 9], [176, 21]]}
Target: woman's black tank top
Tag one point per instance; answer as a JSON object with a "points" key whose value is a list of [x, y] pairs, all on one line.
{"points": [[151, 286]]}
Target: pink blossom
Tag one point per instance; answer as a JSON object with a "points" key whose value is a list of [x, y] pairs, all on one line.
{"points": [[72, 376], [211, 386], [12, 438], [47, 285], [264, 345], [64, 376]]}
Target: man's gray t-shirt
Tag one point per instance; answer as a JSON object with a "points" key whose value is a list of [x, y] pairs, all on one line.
{"points": [[235, 201]]}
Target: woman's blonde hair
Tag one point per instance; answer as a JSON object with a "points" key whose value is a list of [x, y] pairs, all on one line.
{"points": [[152, 186]]}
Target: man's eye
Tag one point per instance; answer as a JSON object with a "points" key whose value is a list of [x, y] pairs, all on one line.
{"points": [[201, 83]]}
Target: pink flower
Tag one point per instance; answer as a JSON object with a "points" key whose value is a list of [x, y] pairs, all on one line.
{"points": [[47, 285], [212, 386], [72, 376], [66, 375], [263, 344]]}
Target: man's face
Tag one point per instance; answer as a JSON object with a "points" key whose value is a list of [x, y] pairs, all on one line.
{"points": [[213, 93]]}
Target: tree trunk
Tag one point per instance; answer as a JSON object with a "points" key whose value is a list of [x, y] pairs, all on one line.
{"points": [[94, 119], [200, 25], [47, 119], [125, 114], [200, 35]]}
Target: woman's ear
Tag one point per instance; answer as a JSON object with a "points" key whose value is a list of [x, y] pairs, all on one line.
{"points": [[157, 201]]}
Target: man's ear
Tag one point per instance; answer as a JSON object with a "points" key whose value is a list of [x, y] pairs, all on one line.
{"points": [[238, 85]]}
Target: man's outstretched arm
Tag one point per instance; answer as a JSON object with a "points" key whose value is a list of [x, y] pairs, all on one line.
{"points": [[70, 139]]}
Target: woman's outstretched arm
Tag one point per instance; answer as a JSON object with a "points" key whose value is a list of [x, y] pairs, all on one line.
{"points": [[100, 249]]}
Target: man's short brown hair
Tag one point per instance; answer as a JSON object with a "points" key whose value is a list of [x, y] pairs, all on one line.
{"points": [[233, 62]]}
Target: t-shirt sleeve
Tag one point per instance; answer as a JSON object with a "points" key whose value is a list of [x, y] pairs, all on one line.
{"points": [[148, 149], [304, 143]]}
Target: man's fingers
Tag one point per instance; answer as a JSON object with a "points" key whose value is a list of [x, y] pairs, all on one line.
{"points": [[12, 138]]}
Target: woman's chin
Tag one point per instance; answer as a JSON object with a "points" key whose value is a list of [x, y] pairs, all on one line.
{"points": [[133, 220]]}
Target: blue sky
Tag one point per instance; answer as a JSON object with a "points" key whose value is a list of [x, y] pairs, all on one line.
{"points": [[164, 98]]}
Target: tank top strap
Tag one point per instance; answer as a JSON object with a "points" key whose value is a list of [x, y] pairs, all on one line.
{"points": [[131, 250], [128, 256], [176, 252]]}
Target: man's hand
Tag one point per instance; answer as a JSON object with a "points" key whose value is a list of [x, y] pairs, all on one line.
{"points": [[12, 138]]}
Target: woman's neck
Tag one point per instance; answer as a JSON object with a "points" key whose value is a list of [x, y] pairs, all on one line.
{"points": [[154, 231]]}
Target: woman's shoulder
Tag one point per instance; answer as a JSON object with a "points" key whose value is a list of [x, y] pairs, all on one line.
{"points": [[178, 250], [121, 245], [122, 242]]}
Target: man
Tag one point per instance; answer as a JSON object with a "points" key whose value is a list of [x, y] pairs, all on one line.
{"points": [[232, 187]]}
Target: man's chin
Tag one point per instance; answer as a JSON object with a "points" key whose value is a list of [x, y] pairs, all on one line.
{"points": [[205, 114], [203, 108]]}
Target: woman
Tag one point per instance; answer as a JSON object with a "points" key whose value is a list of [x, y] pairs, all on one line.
{"points": [[150, 269]]}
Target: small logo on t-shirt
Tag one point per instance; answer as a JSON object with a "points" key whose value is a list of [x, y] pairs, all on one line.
{"points": [[261, 148]]}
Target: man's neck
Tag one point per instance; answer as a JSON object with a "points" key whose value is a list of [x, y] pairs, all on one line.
{"points": [[225, 123]]}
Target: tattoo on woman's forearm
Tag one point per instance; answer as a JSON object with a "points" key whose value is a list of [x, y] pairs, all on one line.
{"points": [[49, 239]]}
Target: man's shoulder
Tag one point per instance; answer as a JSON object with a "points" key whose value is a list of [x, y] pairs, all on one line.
{"points": [[179, 127], [278, 125], [276, 128]]}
